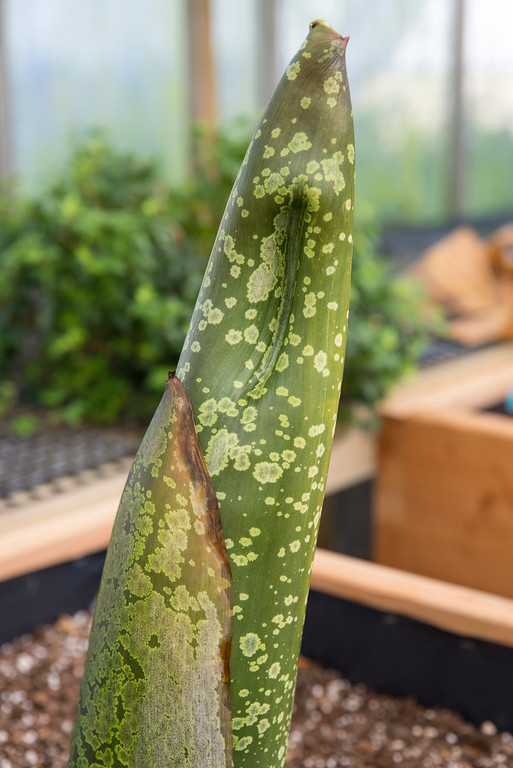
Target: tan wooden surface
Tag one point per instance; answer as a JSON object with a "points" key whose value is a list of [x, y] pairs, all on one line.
{"points": [[353, 460], [37, 533], [64, 526], [474, 380], [464, 611], [444, 498], [202, 92]]}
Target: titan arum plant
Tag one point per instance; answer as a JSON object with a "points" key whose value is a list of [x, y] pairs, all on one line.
{"points": [[195, 642]]}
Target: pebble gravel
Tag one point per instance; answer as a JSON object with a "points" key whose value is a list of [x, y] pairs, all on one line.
{"points": [[334, 725]]}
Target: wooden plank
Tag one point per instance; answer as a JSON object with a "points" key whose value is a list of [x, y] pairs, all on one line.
{"points": [[60, 528], [444, 498], [472, 381], [456, 609], [5, 158], [37, 533], [353, 460], [202, 92], [267, 73]]}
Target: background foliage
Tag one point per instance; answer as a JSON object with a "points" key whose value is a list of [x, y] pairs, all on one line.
{"points": [[99, 274]]}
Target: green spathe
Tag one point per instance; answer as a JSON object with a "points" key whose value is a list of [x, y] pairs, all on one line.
{"points": [[156, 684], [263, 365]]}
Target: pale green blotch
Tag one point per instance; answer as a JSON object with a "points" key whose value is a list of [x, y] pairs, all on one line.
{"points": [[207, 415], [267, 472], [273, 183], [331, 167], [218, 450], [332, 85], [263, 279], [283, 362], [299, 142], [309, 310], [250, 644], [233, 336], [320, 361], [274, 670], [251, 334], [240, 745], [293, 70]]}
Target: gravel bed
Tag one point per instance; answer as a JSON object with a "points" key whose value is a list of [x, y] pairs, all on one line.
{"points": [[334, 723]]}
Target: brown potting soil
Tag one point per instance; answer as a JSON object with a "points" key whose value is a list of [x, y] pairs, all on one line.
{"points": [[334, 723]]}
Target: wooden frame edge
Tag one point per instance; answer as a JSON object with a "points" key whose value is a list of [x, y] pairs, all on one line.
{"points": [[456, 609]]}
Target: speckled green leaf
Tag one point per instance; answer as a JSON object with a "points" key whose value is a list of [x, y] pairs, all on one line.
{"points": [[156, 685], [263, 364]]}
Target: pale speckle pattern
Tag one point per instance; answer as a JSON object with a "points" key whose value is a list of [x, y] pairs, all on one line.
{"points": [[153, 691], [277, 355]]}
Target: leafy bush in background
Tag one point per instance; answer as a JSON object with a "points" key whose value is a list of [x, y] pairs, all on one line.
{"points": [[97, 282], [99, 274]]}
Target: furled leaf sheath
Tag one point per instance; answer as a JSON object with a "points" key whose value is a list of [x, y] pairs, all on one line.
{"points": [[263, 365], [156, 685]]}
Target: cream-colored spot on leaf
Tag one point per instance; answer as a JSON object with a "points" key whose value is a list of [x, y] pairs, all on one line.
{"points": [[320, 361], [267, 472], [283, 362], [250, 643], [331, 86], [251, 334], [293, 70], [299, 142], [332, 171], [233, 336]]}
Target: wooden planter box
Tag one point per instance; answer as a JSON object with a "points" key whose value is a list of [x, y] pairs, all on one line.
{"points": [[397, 631], [444, 487]]}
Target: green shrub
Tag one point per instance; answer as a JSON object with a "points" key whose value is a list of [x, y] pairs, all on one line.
{"points": [[97, 282], [99, 274]]}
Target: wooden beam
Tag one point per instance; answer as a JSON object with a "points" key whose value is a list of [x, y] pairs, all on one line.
{"points": [[456, 149], [266, 50], [353, 460], [202, 91], [460, 610], [39, 533], [475, 380], [5, 158], [56, 527]]}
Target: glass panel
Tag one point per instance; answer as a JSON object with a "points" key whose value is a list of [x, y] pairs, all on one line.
{"points": [[235, 36], [116, 64], [398, 62], [489, 106]]}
